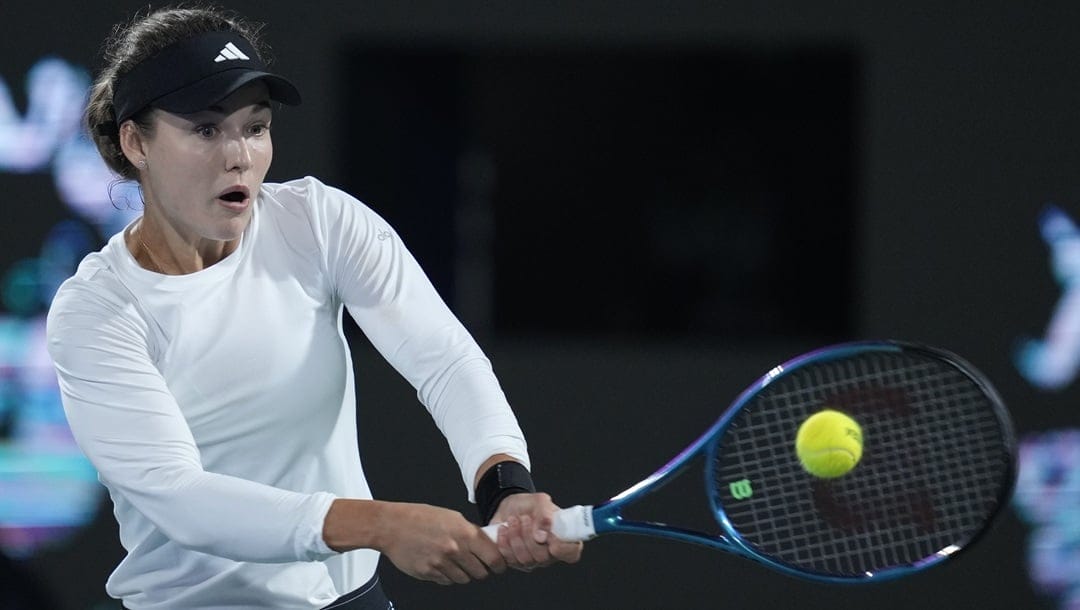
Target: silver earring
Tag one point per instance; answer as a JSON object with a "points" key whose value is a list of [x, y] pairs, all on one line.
{"points": [[142, 164]]}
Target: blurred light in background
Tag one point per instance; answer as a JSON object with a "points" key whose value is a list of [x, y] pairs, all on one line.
{"points": [[1048, 488], [1048, 498], [47, 488]]}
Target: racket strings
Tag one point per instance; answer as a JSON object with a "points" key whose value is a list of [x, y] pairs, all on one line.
{"points": [[933, 468]]}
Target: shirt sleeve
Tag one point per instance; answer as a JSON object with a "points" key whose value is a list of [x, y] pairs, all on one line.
{"points": [[128, 424], [395, 305]]}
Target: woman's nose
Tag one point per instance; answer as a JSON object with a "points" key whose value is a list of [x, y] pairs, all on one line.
{"points": [[237, 154]]}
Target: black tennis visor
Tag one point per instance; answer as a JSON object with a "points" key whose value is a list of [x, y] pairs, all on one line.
{"points": [[194, 74]]}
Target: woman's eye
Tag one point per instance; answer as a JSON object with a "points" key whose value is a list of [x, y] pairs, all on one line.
{"points": [[206, 131], [260, 129]]}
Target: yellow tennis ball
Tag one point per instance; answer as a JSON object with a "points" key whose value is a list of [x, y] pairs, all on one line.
{"points": [[829, 444]]}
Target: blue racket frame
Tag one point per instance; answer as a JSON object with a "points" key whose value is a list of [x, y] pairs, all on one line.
{"points": [[607, 516]]}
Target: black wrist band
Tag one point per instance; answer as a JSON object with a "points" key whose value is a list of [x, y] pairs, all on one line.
{"points": [[501, 480]]}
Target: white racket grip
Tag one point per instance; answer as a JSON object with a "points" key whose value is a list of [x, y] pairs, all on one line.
{"points": [[571, 524], [574, 524]]}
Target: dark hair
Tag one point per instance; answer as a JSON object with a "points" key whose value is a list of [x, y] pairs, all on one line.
{"points": [[141, 38]]}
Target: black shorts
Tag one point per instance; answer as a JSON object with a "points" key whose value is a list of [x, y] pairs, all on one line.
{"points": [[370, 596]]}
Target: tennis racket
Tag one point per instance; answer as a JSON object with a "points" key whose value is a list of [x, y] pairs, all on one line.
{"points": [[938, 464]]}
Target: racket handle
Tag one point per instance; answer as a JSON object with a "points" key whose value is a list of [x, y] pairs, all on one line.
{"points": [[571, 524]]}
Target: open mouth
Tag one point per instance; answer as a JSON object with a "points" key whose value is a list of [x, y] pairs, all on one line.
{"points": [[236, 194]]}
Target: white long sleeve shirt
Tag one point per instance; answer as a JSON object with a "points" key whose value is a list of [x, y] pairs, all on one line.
{"points": [[218, 406]]}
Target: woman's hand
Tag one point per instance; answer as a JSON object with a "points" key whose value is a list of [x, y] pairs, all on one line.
{"points": [[425, 542], [525, 539], [437, 544]]}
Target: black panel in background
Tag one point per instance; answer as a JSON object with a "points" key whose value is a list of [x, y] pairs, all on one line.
{"points": [[400, 142], [665, 192]]}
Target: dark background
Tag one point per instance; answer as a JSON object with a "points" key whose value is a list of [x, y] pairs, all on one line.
{"points": [[641, 207]]}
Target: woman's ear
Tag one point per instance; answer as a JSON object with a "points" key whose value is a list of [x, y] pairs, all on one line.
{"points": [[133, 143]]}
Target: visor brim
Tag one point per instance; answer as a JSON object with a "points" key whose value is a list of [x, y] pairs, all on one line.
{"points": [[205, 93]]}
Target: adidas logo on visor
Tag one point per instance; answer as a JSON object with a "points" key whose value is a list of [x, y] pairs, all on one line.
{"points": [[229, 53]]}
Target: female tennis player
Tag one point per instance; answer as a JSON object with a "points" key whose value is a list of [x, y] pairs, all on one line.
{"points": [[204, 371]]}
